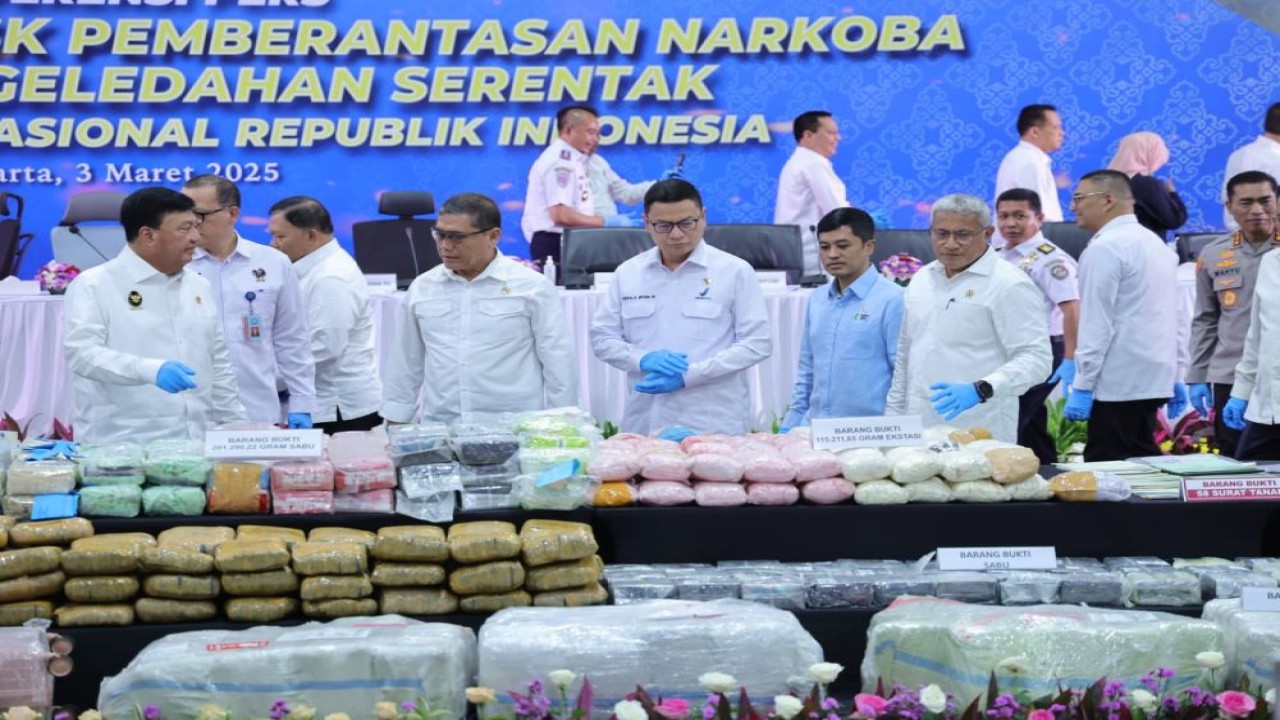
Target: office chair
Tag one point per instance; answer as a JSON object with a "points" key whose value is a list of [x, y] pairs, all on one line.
{"points": [[915, 243], [1067, 235], [86, 246], [585, 251], [765, 247], [1190, 244], [403, 246], [13, 242]]}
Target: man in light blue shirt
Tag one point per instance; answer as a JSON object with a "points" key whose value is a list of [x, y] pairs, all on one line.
{"points": [[851, 328]]}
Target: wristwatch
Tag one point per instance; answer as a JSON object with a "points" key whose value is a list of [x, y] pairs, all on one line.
{"points": [[985, 391]]}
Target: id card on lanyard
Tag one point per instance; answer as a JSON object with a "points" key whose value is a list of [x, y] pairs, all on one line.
{"points": [[251, 322]]}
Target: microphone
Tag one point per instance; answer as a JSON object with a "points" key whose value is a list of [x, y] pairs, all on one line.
{"points": [[413, 249], [75, 230]]}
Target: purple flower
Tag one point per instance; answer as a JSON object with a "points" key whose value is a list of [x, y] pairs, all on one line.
{"points": [[64, 715], [830, 703], [151, 712], [1165, 672], [708, 712], [408, 707]]}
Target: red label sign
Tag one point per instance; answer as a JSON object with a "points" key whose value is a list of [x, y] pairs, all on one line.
{"points": [[1216, 489], [251, 645]]}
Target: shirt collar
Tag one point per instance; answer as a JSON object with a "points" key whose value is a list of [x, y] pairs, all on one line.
{"points": [[308, 263], [499, 268], [697, 257], [136, 269], [574, 155], [860, 288], [984, 265], [243, 249], [1028, 246], [1118, 221]]}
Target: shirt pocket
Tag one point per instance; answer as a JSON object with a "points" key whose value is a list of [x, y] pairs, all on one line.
{"points": [[965, 325], [635, 309], [861, 338], [433, 323]]}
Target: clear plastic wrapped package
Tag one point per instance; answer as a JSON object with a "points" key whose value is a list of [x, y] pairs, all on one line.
{"points": [[118, 464], [481, 446], [1251, 639], [237, 488], [302, 502], [565, 494], [762, 647], [1076, 564], [428, 480], [173, 501], [1104, 589], [41, 477], [636, 587], [1163, 587], [1129, 563], [177, 462], [864, 465], [836, 588], [538, 460], [1090, 487], [707, 585], [783, 589], [488, 474], [890, 587], [420, 444], [488, 497], [913, 465], [1029, 588], [372, 501], [110, 501], [960, 466], [25, 680], [1218, 583], [430, 508], [360, 462], [293, 476], [967, 587]]}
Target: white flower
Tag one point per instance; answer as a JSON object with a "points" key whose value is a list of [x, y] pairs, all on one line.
{"points": [[211, 712], [718, 682], [1016, 665], [787, 706], [1210, 660], [385, 710], [933, 698], [825, 672], [562, 678], [337, 716], [22, 712], [630, 710], [1270, 697], [481, 696], [1144, 700], [90, 715]]}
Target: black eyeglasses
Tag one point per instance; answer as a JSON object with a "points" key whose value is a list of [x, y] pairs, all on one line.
{"points": [[662, 227], [454, 237], [202, 214]]}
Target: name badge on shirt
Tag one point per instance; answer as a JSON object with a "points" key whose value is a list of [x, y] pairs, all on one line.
{"points": [[252, 324]]}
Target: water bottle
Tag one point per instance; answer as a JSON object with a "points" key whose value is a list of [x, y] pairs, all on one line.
{"points": [[549, 269]]}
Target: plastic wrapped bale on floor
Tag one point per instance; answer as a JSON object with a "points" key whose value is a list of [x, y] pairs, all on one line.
{"points": [[663, 645], [24, 675], [918, 641], [1251, 640], [347, 665]]}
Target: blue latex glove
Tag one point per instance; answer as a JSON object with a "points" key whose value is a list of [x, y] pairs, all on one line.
{"points": [[951, 399], [665, 362], [784, 429], [1066, 372], [673, 172], [1233, 413], [1201, 396], [676, 433], [174, 377], [623, 220], [1178, 403], [1079, 405], [656, 384], [299, 421]]}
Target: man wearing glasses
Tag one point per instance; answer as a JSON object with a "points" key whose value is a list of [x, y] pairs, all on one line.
{"points": [[485, 334], [142, 335], [973, 339], [683, 320], [1128, 354], [261, 303], [339, 318]]}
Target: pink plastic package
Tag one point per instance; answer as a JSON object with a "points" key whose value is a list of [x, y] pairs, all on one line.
{"points": [[711, 447], [664, 492], [815, 465], [715, 468], [664, 466], [360, 462], [828, 491], [768, 468], [24, 668], [309, 475], [772, 494], [374, 501], [302, 502], [719, 494], [615, 466]]}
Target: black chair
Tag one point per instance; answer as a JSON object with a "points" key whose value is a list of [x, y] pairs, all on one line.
{"points": [[77, 243], [1068, 236], [1190, 244], [765, 247], [585, 251], [13, 242], [403, 246], [915, 243]]}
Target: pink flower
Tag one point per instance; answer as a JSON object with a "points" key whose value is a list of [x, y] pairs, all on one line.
{"points": [[1233, 703], [673, 708], [1040, 714], [868, 705]]}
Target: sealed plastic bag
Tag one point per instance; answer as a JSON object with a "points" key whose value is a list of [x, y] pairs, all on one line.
{"points": [[482, 541], [412, 543], [543, 542], [1089, 487]]}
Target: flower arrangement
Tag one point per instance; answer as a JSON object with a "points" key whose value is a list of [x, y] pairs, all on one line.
{"points": [[54, 277], [1192, 433], [900, 268]]}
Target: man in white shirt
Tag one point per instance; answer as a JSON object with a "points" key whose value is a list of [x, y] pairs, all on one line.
{"points": [[263, 320], [486, 332], [1028, 164], [339, 318], [560, 192], [808, 187], [1263, 154], [1128, 354], [142, 336], [973, 339], [684, 321], [1254, 407]]}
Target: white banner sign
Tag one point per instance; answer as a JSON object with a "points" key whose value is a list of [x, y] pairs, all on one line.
{"points": [[772, 279], [998, 558], [856, 432], [1260, 599], [263, 444]]}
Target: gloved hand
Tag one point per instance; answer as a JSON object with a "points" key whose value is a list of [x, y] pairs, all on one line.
{"points": [[784, 429], [675, 171], [1201, 396], [676, 433], [299, 421], [656, 384], [1178, 403], [1066, 372], [174, 377], [1233, 413], [951, 399], [665, 362], [1079, 405], [623, 220]]}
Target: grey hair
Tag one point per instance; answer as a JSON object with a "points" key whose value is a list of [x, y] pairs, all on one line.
{"points": [[962, 204]]}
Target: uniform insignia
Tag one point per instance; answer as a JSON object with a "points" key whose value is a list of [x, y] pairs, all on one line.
{"points": [[1226, 282], [1226, 263], [259, 274], [1199, 264], [706, 281], [1226, 254], [1046, 248], [1059, 271], [1229, 298], [506, 290], [969, 293], [565, 155], [198, 300], [563, 176], [135, 299]]}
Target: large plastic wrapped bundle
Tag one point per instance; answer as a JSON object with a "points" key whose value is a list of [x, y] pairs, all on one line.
{"points": [[664, 493], [50, 532], [564, 494], [539, 460], [119, 464], [827, 491], [1107, 589], [663, 646], [1029, 588], [964, 466], [251, 556], [470, 475], [830, 587], [419, 444], [864, 465], [782, 588], [1219, 583], [1250, 639], [40, 477], [173, 501], [709, 467], [543, 542], [236, 488], [342, 666], [436, 508], [921, 641], [360, 462], [177, 462], [482, 446], [302, 502], [301, 475], [372, 501], [288, 536], [24, 673], [110, 501], [1163, 587], [199, 538], [29, 561]]}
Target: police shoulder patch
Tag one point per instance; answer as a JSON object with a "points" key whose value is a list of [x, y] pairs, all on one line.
{"points": [[1046, 248]]}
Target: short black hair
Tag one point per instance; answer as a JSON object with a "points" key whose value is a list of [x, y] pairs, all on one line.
{"points": [[1033, 115], [304, 213], [672, 191], [228, 193], [1272, 123], [808, 122], [1030, 197], [1250, 177], [482, 210], [1112, 181], [562, 116], [149, 206], [858, 221]]}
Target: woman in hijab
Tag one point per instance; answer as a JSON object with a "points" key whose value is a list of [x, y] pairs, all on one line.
{"points": [[1156, 203]]}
